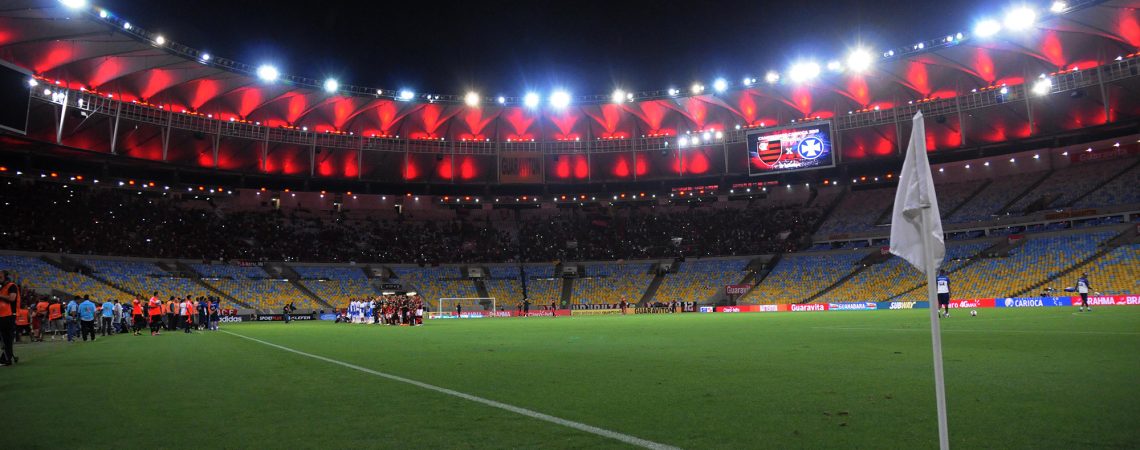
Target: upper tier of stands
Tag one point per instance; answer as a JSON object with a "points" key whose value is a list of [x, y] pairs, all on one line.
{"points": [[858, 211], [1061, 187]]}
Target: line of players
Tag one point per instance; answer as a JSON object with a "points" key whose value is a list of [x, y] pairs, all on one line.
{"points": [[385, 310]]}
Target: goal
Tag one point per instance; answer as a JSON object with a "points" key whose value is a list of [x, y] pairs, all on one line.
{"points": [[447, 304]]}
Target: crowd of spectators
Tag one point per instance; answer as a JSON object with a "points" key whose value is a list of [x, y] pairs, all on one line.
{"points": [[81, 219]]}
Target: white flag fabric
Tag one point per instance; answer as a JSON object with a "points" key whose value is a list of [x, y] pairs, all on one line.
{"points": [[914, 202]]}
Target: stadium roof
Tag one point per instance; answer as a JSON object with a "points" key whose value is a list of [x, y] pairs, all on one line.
{"points": [[81, 49]]}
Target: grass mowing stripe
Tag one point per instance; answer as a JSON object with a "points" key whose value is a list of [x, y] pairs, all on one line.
{"points": [[1126, 333], [632, 440]]}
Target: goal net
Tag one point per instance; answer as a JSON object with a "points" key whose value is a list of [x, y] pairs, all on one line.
{"points": [[447, 304]]}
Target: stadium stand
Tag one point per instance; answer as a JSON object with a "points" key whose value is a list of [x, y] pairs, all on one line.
{"points": [[797, 277], [42, 277], [612, 283], [1114, 273], [336, 285], [231, 271], [1120, 191], [145, 278], [857, 212], [895, 276], [994, 197], [1063, 186], [700, 280], [266, 295], [434, 283], [1039, 258], [504, 284]]}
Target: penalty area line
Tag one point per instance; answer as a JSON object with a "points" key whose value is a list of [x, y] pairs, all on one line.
{"points": [[631, 440]]}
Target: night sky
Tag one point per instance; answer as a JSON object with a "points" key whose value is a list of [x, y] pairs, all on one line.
{"points": [[587, 47]]}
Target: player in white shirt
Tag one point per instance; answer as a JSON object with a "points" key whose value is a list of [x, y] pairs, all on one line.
{"points": [[943, 283]]}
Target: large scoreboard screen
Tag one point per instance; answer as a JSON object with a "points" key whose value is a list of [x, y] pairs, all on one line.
{"points": [[786, 149], [14, 97]]}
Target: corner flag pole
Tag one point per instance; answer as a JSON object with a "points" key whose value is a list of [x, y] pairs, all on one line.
{"points": [[916, 236], [935, 333]]}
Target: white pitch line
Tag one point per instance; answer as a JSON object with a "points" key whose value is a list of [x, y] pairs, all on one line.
{"points": [[983, 331], [631, 440]]}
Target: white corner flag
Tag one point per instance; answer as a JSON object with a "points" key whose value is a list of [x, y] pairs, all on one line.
{"points": [[916, 236]]}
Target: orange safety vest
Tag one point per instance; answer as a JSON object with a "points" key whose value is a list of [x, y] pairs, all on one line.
{"points": [[55, 311], [155, 308], [136, 308], [5, 307], [22, 317], [42, 309]]}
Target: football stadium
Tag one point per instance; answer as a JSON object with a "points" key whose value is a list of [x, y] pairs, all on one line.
{"points": [[929, 243]]}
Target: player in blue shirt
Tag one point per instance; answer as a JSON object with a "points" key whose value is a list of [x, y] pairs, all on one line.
{"points": [[943, 283], [108, 317], [87, 318], [1083, 289]]}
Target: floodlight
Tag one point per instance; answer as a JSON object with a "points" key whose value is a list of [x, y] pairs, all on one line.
{"points": [[560, 99], [805, 71], [1020, 18], [530, 100], [618, 96], [987, 28], [859, 60], [720, 85], [268, 73]]}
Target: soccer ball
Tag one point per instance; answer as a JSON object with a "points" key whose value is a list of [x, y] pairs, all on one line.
{"points": [[974, 313]]}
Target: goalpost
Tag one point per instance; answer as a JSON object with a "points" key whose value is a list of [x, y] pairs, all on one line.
{"points": [[469, 304]]}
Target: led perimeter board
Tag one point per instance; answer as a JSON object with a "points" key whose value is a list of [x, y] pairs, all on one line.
{"points": [[791, 148]]}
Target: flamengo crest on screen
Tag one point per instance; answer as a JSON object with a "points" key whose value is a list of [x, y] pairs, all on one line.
{"points": [[802, 147]]}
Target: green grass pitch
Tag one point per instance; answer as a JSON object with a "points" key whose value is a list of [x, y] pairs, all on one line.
{"points": [[1016, 378]]}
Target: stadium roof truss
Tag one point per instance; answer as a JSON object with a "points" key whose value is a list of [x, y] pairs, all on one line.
{"points": [[92, 64]]}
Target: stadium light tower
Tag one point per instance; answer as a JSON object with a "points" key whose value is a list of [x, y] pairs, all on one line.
{"points": [[1020, 18], [560, 99], [471, 99], [268, 73], [1042, 86], [804, 71], [987, 28], [406, 95], [331, 85], [530, 100], [720, 85], [1058, 7], [74, 4], [772, 77], [859, 60]]}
